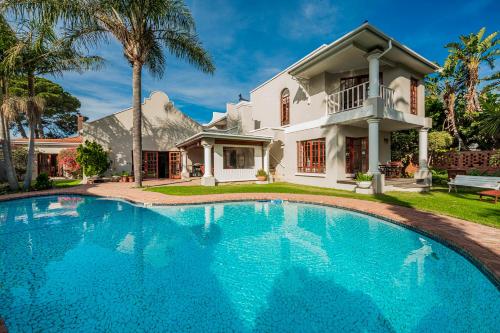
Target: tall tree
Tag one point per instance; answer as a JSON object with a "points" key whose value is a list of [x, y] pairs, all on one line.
{"points": [[38, 51], [61, 109], [8, 107], [144, 28], [471, 52], [447, 85]]}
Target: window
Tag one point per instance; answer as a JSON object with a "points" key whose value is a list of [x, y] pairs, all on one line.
{"points": [[285, 107], [311, 156], [238, 158], [413, 96]]}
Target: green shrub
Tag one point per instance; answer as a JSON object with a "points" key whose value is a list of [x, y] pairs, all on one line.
{"points": [[261, 173], [363, 177], [20, 160], [495, 159], [439, 177], [475, 172], [93, 159], [43, 182]]}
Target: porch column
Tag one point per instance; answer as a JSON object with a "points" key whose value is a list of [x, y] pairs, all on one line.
{"points": [[207, 179], [266, 150], [422, 149], [185, 172], [373, 146], [207, 152], [423, 175], [373, 74]]}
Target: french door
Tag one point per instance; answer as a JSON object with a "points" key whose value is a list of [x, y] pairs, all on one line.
{"points": [[174, 164], [150, 164], [356, 155]]}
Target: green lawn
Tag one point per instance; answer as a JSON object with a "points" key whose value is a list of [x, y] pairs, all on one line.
{"points": [[62, 183], [464, 205]]}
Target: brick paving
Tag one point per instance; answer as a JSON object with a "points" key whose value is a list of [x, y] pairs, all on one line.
{"points": [[478, 243]]}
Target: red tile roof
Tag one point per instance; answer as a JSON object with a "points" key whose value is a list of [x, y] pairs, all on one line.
{"points": [[76, 139]]}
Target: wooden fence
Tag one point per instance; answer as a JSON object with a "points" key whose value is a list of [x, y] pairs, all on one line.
{"points": [[465, 160]]}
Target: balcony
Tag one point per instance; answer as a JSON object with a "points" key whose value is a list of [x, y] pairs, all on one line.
{"points": [[355, 97]]}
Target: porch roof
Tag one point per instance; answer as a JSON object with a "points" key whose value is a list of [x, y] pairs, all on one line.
{"points": [[217, 135], [349, 52]]}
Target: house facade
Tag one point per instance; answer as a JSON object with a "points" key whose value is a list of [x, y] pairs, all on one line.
{"points": [[318, 122], [328, 116]]}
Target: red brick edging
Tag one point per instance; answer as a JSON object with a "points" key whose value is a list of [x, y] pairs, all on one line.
{"points": [[480, 244]]}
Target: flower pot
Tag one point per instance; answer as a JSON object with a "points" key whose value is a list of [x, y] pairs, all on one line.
{"points": [[261, 178], [364, 184], [123, 179], [130, 179]]}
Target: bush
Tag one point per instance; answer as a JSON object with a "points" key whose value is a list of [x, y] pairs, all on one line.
{"points": [[495, 159], [66, 160], [43, 182], [439, 142], [93, 159], [261, 173], [439, 177], [20, 160], [363, 177]]}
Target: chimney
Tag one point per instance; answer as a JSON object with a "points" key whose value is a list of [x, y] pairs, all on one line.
{"points": [[80, 121]]}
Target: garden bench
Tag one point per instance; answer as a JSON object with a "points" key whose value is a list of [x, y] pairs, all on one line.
{"points": [[492, 183]]}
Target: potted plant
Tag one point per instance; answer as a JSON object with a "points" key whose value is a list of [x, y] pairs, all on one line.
{"points": [[124, 176], [363, 180], [261, 175], [130, 178]]}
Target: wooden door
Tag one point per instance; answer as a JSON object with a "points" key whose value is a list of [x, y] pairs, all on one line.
{"points": [[174, 164], [356, 159], [150, 164]]}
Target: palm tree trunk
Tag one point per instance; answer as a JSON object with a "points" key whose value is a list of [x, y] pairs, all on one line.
{"points": [[32, 125], [20, 128], [450, 118], [5, 136], [137, 122]]}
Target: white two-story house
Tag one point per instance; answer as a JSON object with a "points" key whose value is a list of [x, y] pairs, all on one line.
{"points": [[323, 119]]}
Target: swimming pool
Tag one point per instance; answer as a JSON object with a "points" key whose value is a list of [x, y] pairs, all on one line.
{"points": [[71, 263]]}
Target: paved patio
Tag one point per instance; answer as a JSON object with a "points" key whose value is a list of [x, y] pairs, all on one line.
{"points": [[479, 243]]}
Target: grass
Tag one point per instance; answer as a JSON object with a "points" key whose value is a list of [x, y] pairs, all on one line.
{"points": [[63, 183], [464, 205]]}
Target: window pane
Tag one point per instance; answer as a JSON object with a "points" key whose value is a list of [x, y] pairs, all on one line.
{"points": [[238, 158], [311, 156]]}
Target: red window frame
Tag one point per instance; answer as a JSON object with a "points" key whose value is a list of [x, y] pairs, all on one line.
{"points": [[413, 96], [285, 107], [311, 156]]}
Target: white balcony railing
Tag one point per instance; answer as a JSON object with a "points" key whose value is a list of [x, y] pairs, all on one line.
{"points": [[355, 97]]}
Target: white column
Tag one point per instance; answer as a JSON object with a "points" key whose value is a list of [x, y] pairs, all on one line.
{"points": [[266, 149], [185, 172], [373, 74], [422, 149], [373, 146], [207, 150]]}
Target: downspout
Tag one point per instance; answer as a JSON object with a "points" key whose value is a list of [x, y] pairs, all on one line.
{"points": [[389, 47]]}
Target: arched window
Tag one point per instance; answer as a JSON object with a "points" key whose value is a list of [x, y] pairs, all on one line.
{"points": [[285, 107]]}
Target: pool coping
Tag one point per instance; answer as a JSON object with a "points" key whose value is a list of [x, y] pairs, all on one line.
{"points": [[470, 249]]}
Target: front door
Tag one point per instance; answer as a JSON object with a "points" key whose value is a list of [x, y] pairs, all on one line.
{"points": [[174, 164], [163, 164], [356, 155]]}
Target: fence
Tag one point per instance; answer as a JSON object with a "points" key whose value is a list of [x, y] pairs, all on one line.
{"points": [[465, 160]]}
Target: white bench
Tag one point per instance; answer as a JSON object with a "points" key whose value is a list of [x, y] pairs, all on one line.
{"points": [[492, 183]]}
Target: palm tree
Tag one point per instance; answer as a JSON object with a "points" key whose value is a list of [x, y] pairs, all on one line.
{"points": [[8, 107], [144, 28], [447, 85], [40, 51], [490, 117], [471, 52]]}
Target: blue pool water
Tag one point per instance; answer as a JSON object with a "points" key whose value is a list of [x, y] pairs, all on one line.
{"points": [[87, 264]]}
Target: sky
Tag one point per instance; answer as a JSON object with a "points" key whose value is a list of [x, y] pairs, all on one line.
{"points": [[251, 41]]}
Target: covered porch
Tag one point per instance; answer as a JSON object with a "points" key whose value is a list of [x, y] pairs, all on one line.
{"points": [[224, 157]]}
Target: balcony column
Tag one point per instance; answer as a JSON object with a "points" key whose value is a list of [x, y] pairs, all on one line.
{"points": [[373, 74], [207, 179], [265, 160], [185, 172]]}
